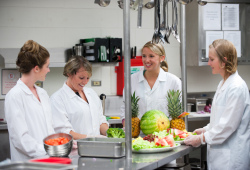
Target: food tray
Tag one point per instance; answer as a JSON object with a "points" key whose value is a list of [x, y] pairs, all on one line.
{"points": [[101, 147], [34, 166]]}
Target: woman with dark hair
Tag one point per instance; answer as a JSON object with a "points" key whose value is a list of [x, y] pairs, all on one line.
{"points": [[228, 133], [77, 109], [27, 106]]}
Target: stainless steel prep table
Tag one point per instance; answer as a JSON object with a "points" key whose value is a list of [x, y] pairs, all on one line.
{"points": [[139, 161]]}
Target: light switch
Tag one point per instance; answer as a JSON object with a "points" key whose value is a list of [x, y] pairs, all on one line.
{"points": [[96, 83]]}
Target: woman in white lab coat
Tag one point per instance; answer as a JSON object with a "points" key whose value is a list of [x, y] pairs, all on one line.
{"points": [[228, 133], [77, 109], [152, 84], [27, 106]]}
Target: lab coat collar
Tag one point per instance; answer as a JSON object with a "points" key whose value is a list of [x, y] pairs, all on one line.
{"points": [[160, 76], [69, 91], [228, 81], [26, 89]]}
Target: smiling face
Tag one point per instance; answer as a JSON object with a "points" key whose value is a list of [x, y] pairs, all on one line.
{"points": [[42, 72], [215, 63], [77, 81], [150, 60]]}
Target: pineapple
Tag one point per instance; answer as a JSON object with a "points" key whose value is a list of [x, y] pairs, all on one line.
{"points": [[135, 120], [175, 109]]}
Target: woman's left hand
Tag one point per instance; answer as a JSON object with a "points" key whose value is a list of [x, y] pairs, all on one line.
{"points": [[194, 140]]}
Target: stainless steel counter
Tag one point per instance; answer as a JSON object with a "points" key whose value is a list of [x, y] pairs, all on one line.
{"points": [[138, 161]]}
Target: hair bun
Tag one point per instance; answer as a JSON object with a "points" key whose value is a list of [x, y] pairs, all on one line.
{"points": [[31, 46]]}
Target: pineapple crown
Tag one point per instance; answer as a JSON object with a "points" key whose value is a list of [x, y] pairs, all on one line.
{"points": [[174, 103], [134, 105]]}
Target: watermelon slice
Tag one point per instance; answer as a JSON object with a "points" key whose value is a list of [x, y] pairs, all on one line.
{"points": [[170, 140], [161, 142]]}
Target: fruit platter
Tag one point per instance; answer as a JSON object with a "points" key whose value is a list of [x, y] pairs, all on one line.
{"points": [[162, 141]]}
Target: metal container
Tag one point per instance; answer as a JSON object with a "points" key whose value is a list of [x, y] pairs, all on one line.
{"points": [[59, 150], [33, 166], [101, 147]]}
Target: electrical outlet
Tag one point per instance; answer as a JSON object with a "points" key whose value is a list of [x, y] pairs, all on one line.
{"points": [[96, 83]]}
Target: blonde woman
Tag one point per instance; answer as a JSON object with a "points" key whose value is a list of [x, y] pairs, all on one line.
{"points": [[27, 107], [152, 84], [77, 109], [228, 133]]}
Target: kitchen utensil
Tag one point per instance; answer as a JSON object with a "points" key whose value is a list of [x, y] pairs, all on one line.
{"points": [[101, 147], [161, 21], [102, 3], [139, 19], [78, 49], [202, 3], [175, 21], [155, 38], [150, 4], [168, 28], [120, 4], [184, 2], [103, 97], [159, 30], [132, 53], [58, 150], [135, 52]]}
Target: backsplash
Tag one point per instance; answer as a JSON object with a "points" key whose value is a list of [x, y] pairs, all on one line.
{"points": [[112, 105]]}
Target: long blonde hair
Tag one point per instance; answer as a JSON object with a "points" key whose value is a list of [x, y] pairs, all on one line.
{"points": [[159, 50]]}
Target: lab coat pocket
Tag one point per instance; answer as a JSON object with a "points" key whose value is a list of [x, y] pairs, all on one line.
{"points": [[219, 159], [216, 115]]}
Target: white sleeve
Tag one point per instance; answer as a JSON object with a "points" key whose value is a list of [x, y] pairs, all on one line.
{"points": [[230, 119], [18, 128], [60, 116], [102, 118]]}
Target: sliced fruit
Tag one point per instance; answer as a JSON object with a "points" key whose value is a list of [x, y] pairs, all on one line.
{"points": [[170, 140]]}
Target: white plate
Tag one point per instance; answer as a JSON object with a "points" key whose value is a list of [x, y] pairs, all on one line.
{"points": [[153, 150], [180, 142]]}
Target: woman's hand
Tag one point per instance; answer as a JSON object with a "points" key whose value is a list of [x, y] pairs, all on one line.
{"points": [[194, 140], [199, 131], [74, 144]]}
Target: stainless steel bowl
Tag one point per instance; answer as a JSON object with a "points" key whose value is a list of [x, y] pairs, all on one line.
{"points": [[59, 150]]}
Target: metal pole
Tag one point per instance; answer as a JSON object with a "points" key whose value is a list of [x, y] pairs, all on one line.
{"points": [[183, 61], [184, 68], [127, 80]]}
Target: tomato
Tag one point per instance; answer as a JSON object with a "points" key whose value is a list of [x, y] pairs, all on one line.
{"points": [[57, 141]]}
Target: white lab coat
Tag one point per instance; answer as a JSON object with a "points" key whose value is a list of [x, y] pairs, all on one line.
{"points": [[29, 121], [228, 133], [70, 112], [155, 98]]}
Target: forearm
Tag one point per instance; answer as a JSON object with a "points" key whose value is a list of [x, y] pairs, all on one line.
{"points": [[103, 129], [77, 136]]}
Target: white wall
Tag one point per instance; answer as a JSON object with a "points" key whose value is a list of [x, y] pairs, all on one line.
{"points": [[61, 23]]}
